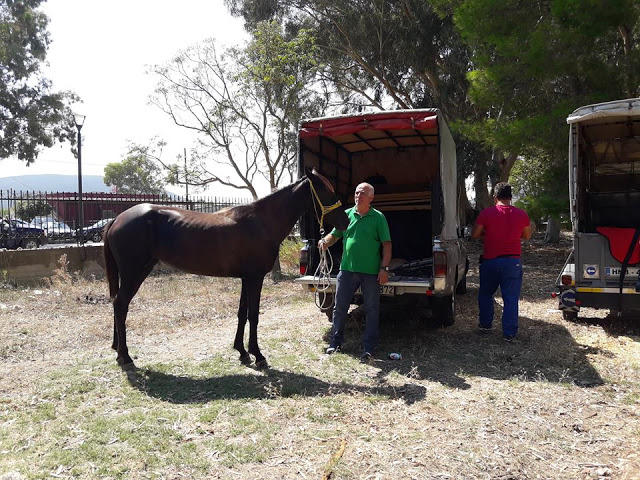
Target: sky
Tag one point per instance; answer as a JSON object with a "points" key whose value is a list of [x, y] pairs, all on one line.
{"points": [[101, 50]]}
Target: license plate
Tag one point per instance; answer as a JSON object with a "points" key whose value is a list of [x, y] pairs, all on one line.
{"points": [[616, 271], [388, 290]]}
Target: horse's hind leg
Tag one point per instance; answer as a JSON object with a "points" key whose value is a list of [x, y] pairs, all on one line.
{"points": [[254, 289], [127, 291], [238, 343]]}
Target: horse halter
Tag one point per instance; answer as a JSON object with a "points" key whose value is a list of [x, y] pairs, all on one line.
{"points": [[323, 209]]}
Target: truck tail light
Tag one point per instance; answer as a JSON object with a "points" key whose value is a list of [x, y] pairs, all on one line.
{"points": [[304, 259], [439, 264], [566, 279]]}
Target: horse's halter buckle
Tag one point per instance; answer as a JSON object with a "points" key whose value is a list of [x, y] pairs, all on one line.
{"points": [[323, 209]]}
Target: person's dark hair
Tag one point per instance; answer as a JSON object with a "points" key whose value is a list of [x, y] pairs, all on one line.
{"points": [[502, 190]]}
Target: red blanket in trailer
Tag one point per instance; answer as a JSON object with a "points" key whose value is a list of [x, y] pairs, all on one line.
{"points": [[619, 241]]}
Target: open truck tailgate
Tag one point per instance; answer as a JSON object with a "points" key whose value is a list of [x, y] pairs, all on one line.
{"points": [[395, 285]]}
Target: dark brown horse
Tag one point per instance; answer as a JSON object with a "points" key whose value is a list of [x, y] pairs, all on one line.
{"points": [[241, 242]]}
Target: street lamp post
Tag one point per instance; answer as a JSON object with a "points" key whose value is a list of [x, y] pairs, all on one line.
{"points": [[79, 120]]}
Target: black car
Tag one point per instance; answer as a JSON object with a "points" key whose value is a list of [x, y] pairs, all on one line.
{"points": [[15, 233], [95, 231]]}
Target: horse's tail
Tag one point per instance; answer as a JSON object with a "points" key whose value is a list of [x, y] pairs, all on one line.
{"points": [[110, 264]]}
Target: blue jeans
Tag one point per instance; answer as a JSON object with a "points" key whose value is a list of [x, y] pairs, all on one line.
{"points": [[348, 283], [507, 274]]}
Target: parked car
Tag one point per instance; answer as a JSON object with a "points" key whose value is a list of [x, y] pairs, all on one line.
{"points": [[16, 233], [55, 230], [94, 232]]}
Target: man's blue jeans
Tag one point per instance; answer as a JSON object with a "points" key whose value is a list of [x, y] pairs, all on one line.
{"points": [[348, 283], [507, 274]]}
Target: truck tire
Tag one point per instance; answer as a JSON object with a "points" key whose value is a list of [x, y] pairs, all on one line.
{"points": [[462, 286], [444, 310], [569, 315]]}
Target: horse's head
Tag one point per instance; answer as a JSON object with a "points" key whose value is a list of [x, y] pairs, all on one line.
{"points": [[327, 203]]}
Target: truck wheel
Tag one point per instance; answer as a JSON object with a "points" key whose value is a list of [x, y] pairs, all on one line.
{"points": [[444, 310], [462, 286], [96, 237], [569, 315]]}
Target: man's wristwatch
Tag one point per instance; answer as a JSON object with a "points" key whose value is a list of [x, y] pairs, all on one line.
{"points": [[386, 269]]}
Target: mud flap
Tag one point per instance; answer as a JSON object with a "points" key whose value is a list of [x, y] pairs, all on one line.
{"points": [[625, 264]]}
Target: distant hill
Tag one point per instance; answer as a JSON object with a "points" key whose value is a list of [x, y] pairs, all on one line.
{"points": [[53, 183]]}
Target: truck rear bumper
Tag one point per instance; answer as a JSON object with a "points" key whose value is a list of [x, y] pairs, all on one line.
{"points": [[395, 285], [630, 300]]}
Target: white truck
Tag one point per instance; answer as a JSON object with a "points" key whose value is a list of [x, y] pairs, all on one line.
{"points": [[604, 190], [409, 156]]}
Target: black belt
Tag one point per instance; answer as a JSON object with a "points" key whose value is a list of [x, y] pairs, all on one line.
{"points": [[508, 255]]}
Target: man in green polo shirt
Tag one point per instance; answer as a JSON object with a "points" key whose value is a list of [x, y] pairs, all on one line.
{"points": [[361, 266]]}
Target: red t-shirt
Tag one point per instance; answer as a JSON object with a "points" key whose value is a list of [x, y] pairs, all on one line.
{"points": [[503, 225]]}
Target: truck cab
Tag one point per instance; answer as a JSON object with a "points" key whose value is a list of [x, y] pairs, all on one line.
{"points": [[409, 157], [604, 190]]}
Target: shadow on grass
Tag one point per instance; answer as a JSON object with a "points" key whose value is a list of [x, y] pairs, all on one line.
{"points": [[542, 352], [626, 324], [274, 383]]}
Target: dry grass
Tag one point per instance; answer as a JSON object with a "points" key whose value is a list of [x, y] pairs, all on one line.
{"points": [[561, 402]]}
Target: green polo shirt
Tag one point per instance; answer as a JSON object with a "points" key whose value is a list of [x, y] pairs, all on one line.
{"points": [[362, 240]]}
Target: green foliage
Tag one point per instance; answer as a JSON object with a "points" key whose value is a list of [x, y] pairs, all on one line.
{"points": [[290, 254], [31, 115], [27, 211], [541, 186], [535, 62], [135, 174]]}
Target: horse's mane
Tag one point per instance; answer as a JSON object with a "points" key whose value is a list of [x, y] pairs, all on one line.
{"points": [[284, 190]]}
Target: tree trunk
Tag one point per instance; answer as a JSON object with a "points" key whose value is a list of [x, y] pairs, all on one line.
{"points": [[552, 234], [465, 212], [480, 176], [505, 164]]}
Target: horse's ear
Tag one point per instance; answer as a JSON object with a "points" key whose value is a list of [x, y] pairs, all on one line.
{"points": [[324, 180]]}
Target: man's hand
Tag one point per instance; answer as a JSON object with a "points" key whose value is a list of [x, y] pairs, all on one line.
{"points": [[322, 245], [383, 277]]}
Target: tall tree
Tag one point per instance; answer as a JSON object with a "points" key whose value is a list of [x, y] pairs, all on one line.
{"points": [[245, 104], [31, 115], [135, 174], [534, 62], [387, 54]]}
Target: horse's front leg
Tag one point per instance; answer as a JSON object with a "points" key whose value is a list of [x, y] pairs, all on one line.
{"points": [[254, 289], [238, 343]]}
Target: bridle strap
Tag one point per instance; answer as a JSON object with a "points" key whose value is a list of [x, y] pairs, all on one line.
{"points": [[323, 209]]}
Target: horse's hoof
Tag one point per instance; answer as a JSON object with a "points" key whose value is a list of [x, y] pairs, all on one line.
{"points": [[245, 359], [128, 367], [262, 364]]}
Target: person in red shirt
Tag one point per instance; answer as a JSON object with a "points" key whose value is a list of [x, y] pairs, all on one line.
{"points": [[502, 226]]}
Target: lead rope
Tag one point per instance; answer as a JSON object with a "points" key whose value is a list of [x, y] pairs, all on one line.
{"points": [[322, 275], [322, 279]]}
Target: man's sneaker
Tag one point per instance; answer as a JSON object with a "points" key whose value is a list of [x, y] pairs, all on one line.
{"points": [[366, 357], [332, 350], [509, 338], [484, 329]]}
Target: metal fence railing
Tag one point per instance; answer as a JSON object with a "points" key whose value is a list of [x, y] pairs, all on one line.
{"points": [[30, 219]]}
